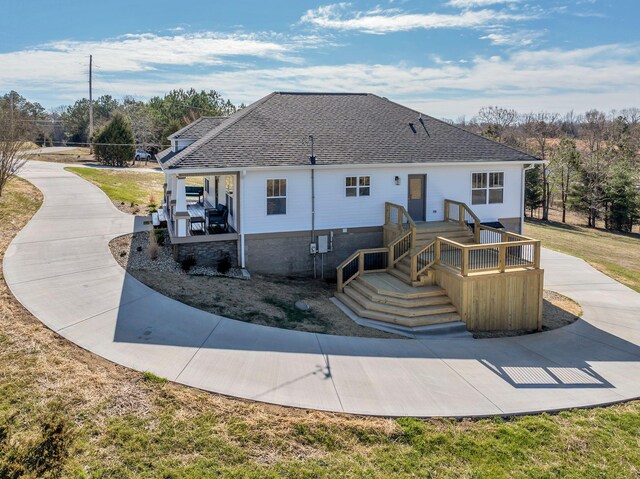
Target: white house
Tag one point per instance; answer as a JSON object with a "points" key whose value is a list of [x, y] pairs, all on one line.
{"points": [[300, 180]]}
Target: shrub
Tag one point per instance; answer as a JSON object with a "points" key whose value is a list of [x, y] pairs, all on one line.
{"points": [[188, 263], [153, 246], [159, 234], [224, 264], [152, 206]]}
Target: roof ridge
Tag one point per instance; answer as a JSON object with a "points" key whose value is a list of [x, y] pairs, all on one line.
{"points": [[220, 128]]}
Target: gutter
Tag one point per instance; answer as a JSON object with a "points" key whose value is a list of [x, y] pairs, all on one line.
{"points": [[200, 171]]}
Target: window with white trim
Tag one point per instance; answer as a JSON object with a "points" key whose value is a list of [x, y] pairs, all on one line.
{"points": [[358, 186], [487, 188], [277, 196]]}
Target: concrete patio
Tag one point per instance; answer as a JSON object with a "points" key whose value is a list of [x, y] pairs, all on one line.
{"points": [[60, 268]]}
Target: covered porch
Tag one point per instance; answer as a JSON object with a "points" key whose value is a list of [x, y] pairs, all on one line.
{"points": [[201, 207]]}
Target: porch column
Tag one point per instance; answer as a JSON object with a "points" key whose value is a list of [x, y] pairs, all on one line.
{"points": [[181, 214]]}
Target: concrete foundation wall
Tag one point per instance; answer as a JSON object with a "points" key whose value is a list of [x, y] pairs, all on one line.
{"points": [[288, 253], [207, 253], [511, 224]]}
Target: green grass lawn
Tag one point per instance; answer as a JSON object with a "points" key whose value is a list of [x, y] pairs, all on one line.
{"points": [[616, 254], [128, 186]]}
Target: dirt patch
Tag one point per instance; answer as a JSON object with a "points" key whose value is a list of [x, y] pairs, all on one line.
{"points": [[261, 300], [557, 311]]}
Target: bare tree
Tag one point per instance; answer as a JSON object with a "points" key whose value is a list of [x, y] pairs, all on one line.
{"points": [[495, 121], [594, 129], [10, 143]]}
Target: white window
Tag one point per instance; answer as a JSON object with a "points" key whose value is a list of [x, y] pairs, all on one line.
{"points": [[358, 185], [487, 188], [228, 190], [277, 197], [206, 185]]}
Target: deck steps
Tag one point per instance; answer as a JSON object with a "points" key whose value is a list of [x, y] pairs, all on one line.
{"points": [[385, 284], [383, 297], [396, 319]]}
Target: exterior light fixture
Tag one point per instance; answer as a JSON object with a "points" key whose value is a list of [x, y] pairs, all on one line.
{"points": [[397, 180]]}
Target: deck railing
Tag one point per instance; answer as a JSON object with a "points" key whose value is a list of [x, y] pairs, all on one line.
{"points": [[494, 251], [361, 262]]}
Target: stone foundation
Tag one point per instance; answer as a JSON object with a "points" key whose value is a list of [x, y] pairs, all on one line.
{"points": [[287, 254], [207, 253]]}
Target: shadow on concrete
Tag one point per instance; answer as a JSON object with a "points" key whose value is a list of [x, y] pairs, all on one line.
{"points": [[556, 359]]}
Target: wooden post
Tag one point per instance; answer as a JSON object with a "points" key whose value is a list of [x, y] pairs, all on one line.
{"points": [[391, 258], [476, 231], [464, 267], [361, 264], [502, 258], [536, 254], [414, 268], [436, 255], [461, 214], [446, 210], [340, 280]]}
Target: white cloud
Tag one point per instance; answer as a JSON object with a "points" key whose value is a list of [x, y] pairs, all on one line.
{"points": [[66, 60], [516, 39], [478, 3], [605, 76], [336, 16]]}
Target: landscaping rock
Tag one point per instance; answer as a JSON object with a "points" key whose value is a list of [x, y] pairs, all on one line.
{"points": [[302, 306]]}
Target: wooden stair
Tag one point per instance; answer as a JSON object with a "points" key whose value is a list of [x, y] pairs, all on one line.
{"points": [[386, 298], [425, 232]]}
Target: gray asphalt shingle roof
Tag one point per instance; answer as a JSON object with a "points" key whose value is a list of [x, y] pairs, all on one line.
{"points": [[198, 128], [347, 129]]}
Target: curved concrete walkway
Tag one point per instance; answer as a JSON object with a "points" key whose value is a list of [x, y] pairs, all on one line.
{"points": [[60, 268]]}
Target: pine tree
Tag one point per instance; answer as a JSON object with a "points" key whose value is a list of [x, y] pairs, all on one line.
{"points": [[534, 193], [114, 145], [622, 198]]}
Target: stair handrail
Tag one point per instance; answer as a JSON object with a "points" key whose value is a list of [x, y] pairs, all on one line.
{"points": [[402, 217], [462, 209], [360, 256], [417, 271], [393, 258]]}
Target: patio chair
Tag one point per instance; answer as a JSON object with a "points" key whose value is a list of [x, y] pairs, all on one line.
{"points": [[217, 219]]}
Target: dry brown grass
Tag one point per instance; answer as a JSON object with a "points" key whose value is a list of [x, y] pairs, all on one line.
{"points": [[132, 425]]}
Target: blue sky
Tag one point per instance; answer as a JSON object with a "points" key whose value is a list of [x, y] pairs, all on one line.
{"points": [[445, 57]]}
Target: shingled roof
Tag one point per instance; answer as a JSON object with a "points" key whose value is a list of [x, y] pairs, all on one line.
{"points": [[198, 128], [348, 128]]}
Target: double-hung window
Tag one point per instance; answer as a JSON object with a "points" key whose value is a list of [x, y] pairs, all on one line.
{"points": [[358, 186], [277, 197], [487, 188]]}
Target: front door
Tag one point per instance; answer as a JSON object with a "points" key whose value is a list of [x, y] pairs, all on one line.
{"points": [[417, 197]]}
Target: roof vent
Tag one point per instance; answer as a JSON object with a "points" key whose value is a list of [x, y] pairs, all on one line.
{"points": [[413, 128]]}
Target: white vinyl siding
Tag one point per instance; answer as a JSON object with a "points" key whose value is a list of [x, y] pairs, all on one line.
{"points": [[335, 210]]}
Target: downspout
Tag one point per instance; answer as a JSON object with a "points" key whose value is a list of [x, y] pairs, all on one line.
{"points": [[312, 161], [522, 189], [241, 225]]}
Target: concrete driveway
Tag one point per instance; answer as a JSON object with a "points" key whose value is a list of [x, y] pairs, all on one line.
{"points": [[60, 268]]}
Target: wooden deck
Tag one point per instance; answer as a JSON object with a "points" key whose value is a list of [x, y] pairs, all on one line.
{"points": [[491, 277]]}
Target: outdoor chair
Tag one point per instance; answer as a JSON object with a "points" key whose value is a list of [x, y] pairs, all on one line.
{"points": [[217, 219]]}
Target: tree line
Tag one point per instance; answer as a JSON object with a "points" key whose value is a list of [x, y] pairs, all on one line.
{"points": [[150, 121], [592, 161]]}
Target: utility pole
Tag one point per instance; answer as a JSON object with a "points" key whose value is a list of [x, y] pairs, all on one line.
{"points": [[91, 100]]}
